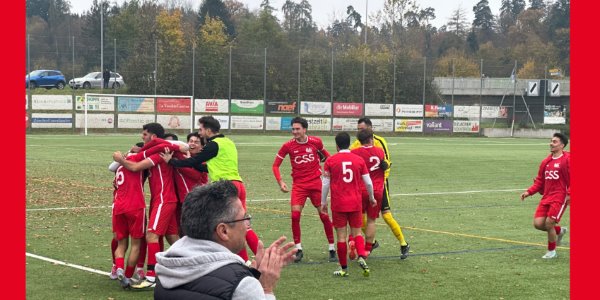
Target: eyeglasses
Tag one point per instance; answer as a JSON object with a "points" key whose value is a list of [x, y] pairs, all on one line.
{"points": [[247, 218]]}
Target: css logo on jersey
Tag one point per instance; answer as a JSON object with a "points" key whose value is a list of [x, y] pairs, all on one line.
{"points": [[303, 159], [551, 174]]}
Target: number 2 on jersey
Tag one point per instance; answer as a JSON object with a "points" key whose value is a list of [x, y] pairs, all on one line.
{"points": [[377, 163]]}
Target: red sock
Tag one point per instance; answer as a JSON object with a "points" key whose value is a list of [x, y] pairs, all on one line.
{"points": [[161, 242], [368, 247], [342, 253], [327, 226], [142, 257], [296, 226], [113, 248], [243, 254], [153, 248], [252, 240], [551, 246], [359, 241], [129, 271], [120, 262], [350, 238], [557, 229]]}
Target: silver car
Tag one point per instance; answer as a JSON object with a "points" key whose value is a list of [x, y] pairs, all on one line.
{"points": [[94, 80]]}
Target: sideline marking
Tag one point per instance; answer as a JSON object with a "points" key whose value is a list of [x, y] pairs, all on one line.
{"points": [[58, 262]]}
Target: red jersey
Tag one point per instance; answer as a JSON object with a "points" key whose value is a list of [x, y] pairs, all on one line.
{"points": [[162, 188], [160, 180], [129, 190], [553, 179], [303, 158], [373, 156], [186, 179], [345, 172]]}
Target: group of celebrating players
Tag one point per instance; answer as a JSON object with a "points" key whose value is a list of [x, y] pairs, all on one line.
{"points": [[356, 176]]}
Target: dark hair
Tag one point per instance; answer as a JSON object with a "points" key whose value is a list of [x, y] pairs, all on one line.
{"points": [[366, 121], [191, 134], [195, 133], [342, 140], [563, 138], [206, 206], [300, 120], [364, 136], [209, 122], [140, 144], [172, 135], [155, 128]]}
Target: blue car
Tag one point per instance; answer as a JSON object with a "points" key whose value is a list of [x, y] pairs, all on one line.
{"points": [[45, 78]]}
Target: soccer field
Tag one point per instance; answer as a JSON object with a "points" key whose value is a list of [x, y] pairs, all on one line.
{"points": [[457, 200]]}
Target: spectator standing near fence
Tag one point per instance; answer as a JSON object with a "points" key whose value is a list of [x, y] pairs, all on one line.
{"points": [[106, 77]]}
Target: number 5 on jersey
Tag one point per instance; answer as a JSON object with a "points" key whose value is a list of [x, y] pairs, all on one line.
{"points": [[347, 171]]}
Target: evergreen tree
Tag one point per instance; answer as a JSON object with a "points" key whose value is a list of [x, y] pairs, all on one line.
{"points": [[216, 9], [484, 20], [537, 4]]}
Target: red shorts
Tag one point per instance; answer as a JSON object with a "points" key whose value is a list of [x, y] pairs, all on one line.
{"points": [[241, 192], [551, 208], [372, 211], [310, 190], [341, 219], [163, 219], [130, 223]]}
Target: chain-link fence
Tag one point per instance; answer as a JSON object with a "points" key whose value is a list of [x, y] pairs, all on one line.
{"points": [[330, 74]]}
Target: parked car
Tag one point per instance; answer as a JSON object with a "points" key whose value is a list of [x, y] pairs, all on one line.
{"points": [[94, 80], [45, 78]]}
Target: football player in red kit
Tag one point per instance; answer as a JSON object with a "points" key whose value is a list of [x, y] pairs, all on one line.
{"points": [[343, 172], [163, 203], [305, 154], [553, 182], [374, 158]]}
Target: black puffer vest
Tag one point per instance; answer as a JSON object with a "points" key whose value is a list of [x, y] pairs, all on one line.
{"points": [[218, 284]]}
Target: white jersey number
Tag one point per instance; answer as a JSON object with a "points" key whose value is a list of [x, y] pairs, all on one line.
{"points": [[377, 162], [120, 177], [347, 171]]}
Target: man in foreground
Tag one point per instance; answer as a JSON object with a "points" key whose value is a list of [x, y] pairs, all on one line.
{"points": [[203, 264]]}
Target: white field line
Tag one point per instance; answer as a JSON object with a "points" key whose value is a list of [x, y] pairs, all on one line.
{"points": [[58, 262], [288, 199], [460, 192], [67, 208]]}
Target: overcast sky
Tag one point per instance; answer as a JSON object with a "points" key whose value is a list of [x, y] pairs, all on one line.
{"points": [[325, 11]]}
